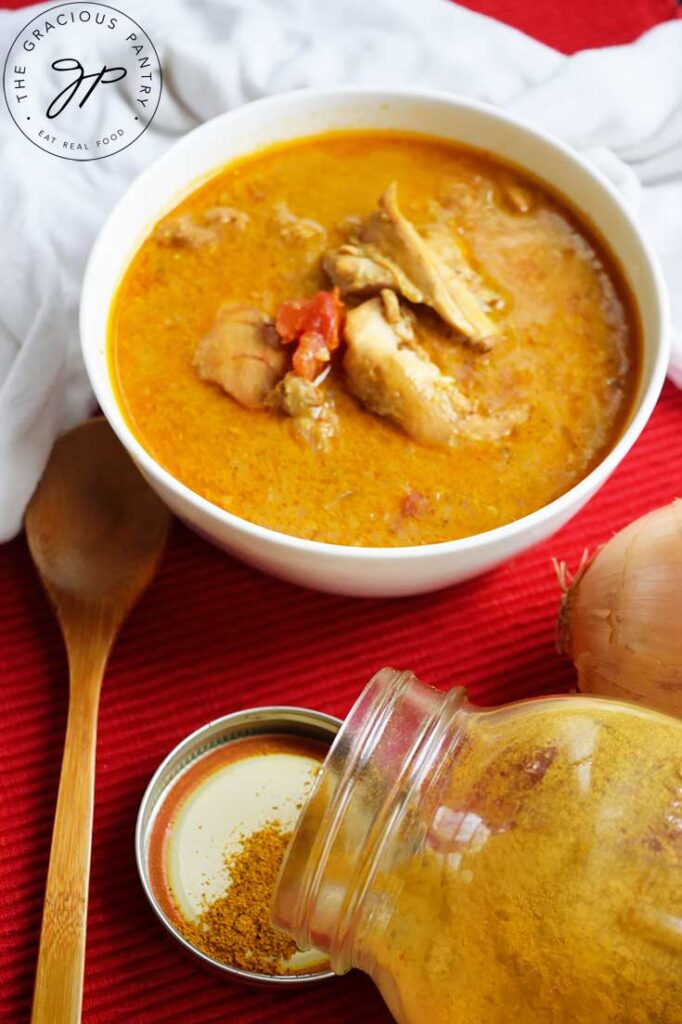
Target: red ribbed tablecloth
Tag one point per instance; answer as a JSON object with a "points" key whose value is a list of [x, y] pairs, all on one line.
{"points": [[212, 636]]}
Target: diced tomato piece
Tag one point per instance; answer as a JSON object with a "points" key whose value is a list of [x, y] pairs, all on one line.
{"points": [[310, 356], [290, 320], [315, 324]]}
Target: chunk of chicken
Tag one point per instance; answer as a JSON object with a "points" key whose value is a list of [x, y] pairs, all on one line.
{"points": [[400, 319], [227, 215], [294, 228], [397, 237], [396, 379], [183, 232], [358, 268], [242, 353], [295, 396], [440, 240], [390, 253], [313, 415], [190, 231]]}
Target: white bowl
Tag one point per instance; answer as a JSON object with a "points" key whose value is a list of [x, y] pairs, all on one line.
{"points": [[340, 568]]}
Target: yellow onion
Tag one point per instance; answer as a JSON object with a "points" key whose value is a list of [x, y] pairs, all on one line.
{"points": [[621, 616]]}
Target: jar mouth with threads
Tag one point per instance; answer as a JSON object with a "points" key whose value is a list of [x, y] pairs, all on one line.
{"points": [[361, 810]]}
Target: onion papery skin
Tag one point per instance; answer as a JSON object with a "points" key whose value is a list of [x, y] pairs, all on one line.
{"points": [[621, 622]]}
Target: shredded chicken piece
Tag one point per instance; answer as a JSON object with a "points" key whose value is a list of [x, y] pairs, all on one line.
{"points": [[351, 225], [295, 396], [356, 269], [228, 215], [397, 237], [396, 379], [190, 231], [242, 353], [441, 242], [294, 228], [313, 415], [390, 253], [184, 232], [399, 317]]}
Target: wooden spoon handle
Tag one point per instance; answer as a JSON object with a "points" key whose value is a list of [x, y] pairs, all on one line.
{"points": [[59, 979]]}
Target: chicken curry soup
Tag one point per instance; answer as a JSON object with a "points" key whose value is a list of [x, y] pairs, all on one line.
{"points": [[374, 339]]}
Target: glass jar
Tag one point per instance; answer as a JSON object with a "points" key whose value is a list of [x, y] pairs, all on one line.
{"points": [[520, 864]]}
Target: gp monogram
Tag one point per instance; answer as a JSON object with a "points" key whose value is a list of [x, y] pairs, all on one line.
{"points": [[82, 81]]}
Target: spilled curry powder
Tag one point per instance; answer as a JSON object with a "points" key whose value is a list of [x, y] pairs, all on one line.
{"points": [[235, 928]]}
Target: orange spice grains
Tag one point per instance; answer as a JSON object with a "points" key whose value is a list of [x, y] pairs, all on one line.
{"points": [[235, 928]]}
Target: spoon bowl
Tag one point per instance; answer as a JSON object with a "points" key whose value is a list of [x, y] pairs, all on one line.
{"points": [[94, 527]]}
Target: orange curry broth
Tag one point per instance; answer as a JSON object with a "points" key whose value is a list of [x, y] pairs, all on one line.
{"points": [[570, 353]]}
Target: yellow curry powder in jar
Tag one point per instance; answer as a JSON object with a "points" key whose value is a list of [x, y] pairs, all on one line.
{"points": [[521, 864]]}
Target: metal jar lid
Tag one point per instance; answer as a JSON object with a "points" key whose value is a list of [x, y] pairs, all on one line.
{"points": [[270, 721]]}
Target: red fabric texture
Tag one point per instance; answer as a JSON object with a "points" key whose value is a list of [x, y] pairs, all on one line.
{"points": [[578, 24], [212, 636]]}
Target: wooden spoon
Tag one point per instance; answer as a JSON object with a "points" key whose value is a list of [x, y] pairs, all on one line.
{"points": [[96, 532]]}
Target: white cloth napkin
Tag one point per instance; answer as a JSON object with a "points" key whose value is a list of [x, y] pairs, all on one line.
{"points": [[623, 105]]}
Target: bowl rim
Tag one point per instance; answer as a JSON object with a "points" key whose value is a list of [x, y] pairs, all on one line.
{"points": [[571, 499]]}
